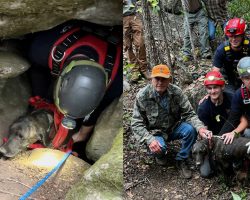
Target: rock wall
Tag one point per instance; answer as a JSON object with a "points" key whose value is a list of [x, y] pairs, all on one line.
{"points": [[106, 129], [104, 180], [19, 17]]}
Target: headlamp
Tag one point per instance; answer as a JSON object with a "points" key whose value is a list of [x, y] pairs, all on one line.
{"points": [[68, 123], [211, 78], [232, 30]]}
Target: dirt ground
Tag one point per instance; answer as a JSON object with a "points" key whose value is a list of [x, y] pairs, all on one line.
{"points": [[18, 176], [144, 179]]}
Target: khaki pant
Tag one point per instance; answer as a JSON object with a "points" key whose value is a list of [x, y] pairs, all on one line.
{"points": [[132, 35]]}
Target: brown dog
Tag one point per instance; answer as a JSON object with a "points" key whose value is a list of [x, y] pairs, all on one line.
{"points": [[26, 130]]}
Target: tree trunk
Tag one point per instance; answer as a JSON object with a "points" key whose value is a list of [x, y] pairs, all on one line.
{"points": [[152, 51]]}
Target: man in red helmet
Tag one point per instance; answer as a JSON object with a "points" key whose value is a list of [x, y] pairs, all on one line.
{"points": [[229, 53], [214, 111]]}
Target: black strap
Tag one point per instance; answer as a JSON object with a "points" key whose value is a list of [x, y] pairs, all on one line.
{"points": [[110, 59], [245, 94], [58, 51]]}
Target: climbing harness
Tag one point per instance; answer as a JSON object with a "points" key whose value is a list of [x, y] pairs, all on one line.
{"points": [[61, 132], [106, 44], [245, 94]]}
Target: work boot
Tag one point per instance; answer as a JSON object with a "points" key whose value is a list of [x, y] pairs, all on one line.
{"points": [[161, 160], [183, 168]]}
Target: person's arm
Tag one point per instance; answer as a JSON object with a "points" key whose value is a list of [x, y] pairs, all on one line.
{"points": [[229, 137], [235, 114], [203, 114], [188, 115], [83, 133], [218, 60], [138, 124]]}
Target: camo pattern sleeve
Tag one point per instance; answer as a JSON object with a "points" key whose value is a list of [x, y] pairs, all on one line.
{"points": [[186, 110], [139, 122]]}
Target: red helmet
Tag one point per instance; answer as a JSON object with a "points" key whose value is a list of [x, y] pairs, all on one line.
{"points": [[214, 78], [235, 26]]}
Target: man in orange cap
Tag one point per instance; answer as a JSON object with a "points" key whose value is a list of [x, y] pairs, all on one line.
{"points": [[162, 113]]}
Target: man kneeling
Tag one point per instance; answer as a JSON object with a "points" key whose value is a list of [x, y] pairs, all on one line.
{"points": [[162, 113]]}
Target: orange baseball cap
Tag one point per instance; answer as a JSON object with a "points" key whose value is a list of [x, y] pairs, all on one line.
{"points": [[161, 71]]}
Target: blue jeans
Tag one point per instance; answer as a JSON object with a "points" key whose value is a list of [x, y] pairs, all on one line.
{"points": [[200, 19], [186, 133], [212, 29]]}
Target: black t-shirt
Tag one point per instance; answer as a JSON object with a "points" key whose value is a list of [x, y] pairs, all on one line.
{"points": [[238, 106], [228, 63], [238, 109], [214, 116]]}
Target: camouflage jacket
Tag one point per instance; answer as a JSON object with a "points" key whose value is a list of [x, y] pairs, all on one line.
{"points": [[150, 117]]}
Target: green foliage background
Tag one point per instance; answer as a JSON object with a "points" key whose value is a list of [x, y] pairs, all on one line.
{"points": [[239, 8]]}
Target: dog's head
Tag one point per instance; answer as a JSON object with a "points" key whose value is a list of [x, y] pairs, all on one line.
{"points": [[27, 130], [199, 150]]}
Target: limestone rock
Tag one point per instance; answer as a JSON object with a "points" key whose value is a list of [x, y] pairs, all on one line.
{"points": [[31, 166], [20, 17], [12, 65], [13, 102], [104, 180], [107, 127]]}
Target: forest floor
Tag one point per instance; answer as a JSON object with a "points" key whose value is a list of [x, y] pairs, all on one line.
{"points": [[144, 179]]}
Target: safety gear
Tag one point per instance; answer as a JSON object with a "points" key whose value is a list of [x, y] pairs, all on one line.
{"points": [[229, 55], [235, 26], [80, 88], [243, 67], [245, 94], [102, 43], [58, 134], [214, 78], [161, 71]]}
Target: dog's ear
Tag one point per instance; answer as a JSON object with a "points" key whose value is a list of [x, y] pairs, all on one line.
{"points": [[44, 138]]}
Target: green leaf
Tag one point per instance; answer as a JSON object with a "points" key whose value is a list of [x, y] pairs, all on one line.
{"points": [[235, 196]]}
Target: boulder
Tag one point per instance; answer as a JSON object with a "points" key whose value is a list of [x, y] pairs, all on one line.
{"points": [[104, 180], [15, 93], [12, 65], [26, 169], [107, 127], [27, 16]]}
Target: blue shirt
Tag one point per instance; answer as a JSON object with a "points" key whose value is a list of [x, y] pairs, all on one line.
{"points": [[228, 64], [238, 106], [214, 116]]}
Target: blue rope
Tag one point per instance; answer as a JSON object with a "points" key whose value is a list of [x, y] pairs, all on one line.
{"points": [[39, 183]]}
